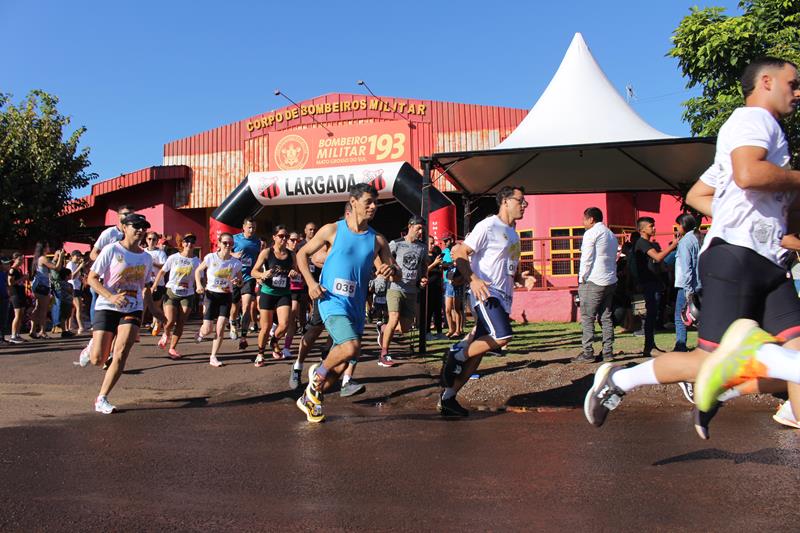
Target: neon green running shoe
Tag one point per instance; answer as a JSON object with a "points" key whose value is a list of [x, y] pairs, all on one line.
{"points": [[732, 363]]}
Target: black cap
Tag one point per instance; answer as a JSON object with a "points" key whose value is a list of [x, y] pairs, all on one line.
{"points": [[190, 237], [416, 220], [135, 219]]}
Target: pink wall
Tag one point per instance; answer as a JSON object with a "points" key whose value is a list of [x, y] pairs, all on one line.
{"points": [[544, 306]]}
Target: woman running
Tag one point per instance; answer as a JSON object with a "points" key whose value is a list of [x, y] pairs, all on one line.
{"points": [[274, 266], [223, 272], [122, 295], [299, 298], [41, 286], [76, 265], [178, 301], [19, 301]]}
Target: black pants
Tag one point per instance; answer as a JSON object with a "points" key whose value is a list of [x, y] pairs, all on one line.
{"points": [[434, 307]]}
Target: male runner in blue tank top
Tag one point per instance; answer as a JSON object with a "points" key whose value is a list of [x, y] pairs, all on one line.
{"points": [[342, 289], [246, 247]]}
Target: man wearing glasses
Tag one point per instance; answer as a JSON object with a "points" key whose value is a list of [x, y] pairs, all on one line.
{"points": [[246, 247], [487, 259]]}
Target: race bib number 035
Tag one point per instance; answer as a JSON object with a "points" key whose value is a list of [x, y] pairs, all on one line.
{"points": [[344, 287]]}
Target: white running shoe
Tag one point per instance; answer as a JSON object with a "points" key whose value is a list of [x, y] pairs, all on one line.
{"points": [[83, 360], [287, 353], [234, 333], [785, 416], [101, 405]]}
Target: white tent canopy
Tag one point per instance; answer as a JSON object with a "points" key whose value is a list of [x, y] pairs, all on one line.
{"points": [[581, 136]]}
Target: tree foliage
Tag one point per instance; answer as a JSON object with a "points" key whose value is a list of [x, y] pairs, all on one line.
{"points": [[39, 169], [713, 49]]}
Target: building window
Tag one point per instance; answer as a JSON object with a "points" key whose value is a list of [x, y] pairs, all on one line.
{"points": [[565, 250]]}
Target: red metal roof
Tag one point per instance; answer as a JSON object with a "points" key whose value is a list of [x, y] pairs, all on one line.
{"points": [[171, 172]]}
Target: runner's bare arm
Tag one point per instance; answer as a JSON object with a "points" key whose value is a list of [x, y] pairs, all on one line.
{"points": [[157, 279], [659, 256], [387, 267], [326, 234], [94, 282], [257, 271], [751, 170], [700, 197], [460, 254], [198, 277]]}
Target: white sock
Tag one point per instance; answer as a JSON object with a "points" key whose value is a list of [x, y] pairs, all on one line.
{"points": [[298, 365], [629, 378], [729, 394], [448, 393], [782, 363], [102, 397], [345, 380]]}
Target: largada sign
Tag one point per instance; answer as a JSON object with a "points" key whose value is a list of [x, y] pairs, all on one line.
{"points": [[314, 185], [340, 146]]}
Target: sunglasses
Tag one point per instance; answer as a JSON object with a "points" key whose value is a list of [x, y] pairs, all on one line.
{"points": [[226, 243], [294, 240], [152, 238], [139, 227], [281, 235]]}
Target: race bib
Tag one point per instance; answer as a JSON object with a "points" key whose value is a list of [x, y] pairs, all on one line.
{"points": [[312, 267], [279, 282], [511, 267], [380, 299], [344, 287], [246, 261]]}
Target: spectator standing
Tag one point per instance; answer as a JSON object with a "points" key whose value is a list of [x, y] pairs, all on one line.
{"points": [[687, 273], [435, 289], [597, 281]]}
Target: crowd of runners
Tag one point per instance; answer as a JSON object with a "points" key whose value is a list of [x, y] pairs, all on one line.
{"points": [[336, 277]]}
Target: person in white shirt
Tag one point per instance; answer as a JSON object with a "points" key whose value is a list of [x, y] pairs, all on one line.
{"points": [[750, 191], [76, 265], [109, 235], [124, 268], [597, 281], [223, 272], [180, 268], [158, 289], [488, 259]]}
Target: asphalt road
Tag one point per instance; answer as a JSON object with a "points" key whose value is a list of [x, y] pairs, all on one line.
{"points": [[240, 456]]}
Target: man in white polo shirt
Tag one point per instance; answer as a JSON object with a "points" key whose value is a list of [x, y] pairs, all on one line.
{"points": [[597, 280]]}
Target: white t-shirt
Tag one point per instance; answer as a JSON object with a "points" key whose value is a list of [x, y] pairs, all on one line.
{"points": [[122, 271], [159, 258], [75, 282], [496, 256], [181, 273], [220, 274], [748, 218], [109, 236]]}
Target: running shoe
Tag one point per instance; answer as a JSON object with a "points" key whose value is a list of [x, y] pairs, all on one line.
{"points": [[785, 416], [311, 401], [732, 363], [233, 334], [243, 343], [108, 361], [450, 407], [287, 353], [294, 378], [386, 361], [101, 405], [703, 418], [583, 358], [173, 354], [16, 340], [156, 329], [260, 361], [83, 359], [352, 387], [688, 390], [603, 397], [451, 367], [213, 361], [252, 328], [162, 342]]}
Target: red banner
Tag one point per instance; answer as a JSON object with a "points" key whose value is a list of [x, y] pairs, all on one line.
{"points": [[348, 145]]}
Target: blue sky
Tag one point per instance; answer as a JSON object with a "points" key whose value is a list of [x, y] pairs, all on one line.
{"points": [[139, 74]]}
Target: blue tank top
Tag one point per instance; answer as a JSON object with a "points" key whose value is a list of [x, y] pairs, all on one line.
{"points": [[346, 275], [250, 249]]}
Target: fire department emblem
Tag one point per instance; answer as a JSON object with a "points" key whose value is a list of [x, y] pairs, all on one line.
{"points": [[291, 153]]}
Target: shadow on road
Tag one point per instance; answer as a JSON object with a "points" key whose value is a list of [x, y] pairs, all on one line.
{"points": [[764, 456]]}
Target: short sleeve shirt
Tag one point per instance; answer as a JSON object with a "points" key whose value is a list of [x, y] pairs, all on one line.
{"points": [[108, 236], [122, 271], [159, 258], [496, 255], [181, 273], [76, 281], [748, 218], [221, 272], [410, 257], [644, 269]]}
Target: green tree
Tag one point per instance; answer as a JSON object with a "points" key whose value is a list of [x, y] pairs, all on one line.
{"points": [[39, 169], [713, 49]]}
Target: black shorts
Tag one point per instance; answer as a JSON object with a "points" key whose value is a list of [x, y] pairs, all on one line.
{"points": [[247, 287], [492, 320], [159, 293], [18, 298], [106, 320], [316, 318], [217, 304], [270, 302], [298, 295], [174, 299], [739, 283]]}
